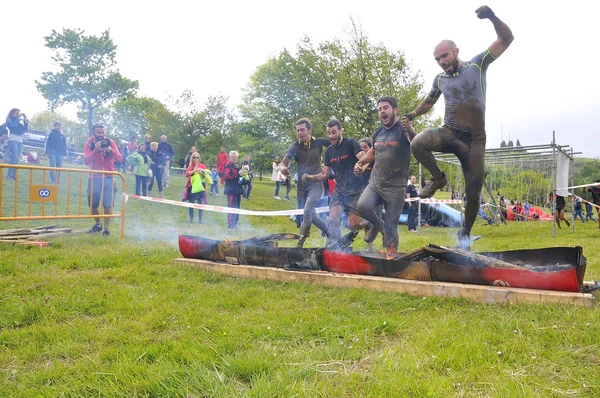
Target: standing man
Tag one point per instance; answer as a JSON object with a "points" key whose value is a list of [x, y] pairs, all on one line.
{"points": [[56, 149], [247, 187], [307, 153], [387, 185], [463, 133], [341, 156], [168, 153], [222, 160], [101, 153], [413, 206]]}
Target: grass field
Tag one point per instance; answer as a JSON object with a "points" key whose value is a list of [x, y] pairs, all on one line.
{"points": [[100, 317]]}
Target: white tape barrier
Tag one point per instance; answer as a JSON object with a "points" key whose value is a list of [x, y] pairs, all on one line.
{"points": [[231, 210], [221, 209], [595, 184], [585, 201]]}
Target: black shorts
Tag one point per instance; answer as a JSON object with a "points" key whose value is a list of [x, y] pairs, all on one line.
{"points": [[108, 194], [348, 202]]}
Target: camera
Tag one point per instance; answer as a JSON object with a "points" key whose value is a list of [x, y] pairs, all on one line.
{"points": [[104, 143]]}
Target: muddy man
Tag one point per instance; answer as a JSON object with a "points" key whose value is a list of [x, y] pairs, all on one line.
{"points": [[463, 133]]}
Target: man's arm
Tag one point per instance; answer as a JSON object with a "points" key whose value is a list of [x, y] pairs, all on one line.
{"points": [[366, 159], [324, 176], [505, 36]]}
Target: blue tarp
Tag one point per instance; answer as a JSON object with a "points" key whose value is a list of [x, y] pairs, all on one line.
{"points": [[436, 215]]}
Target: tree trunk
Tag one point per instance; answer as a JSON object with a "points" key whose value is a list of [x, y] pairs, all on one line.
{"points": [[90, 117]]}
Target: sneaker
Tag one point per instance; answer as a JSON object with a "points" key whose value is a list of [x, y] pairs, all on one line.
{"points": [[191, 221], [568, 223], [287, 198], [436, 183], [371, 234], [95, 228], [106, 232], [276, 197], [300, 242], [199, 221]]}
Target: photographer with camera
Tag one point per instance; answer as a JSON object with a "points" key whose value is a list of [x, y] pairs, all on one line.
{"points": [[101, 153]]}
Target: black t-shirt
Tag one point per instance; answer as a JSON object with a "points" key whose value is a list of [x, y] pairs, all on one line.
{"points": [[411, 190], [560, 202], [392, 156], [308, 158], [342, 158]]}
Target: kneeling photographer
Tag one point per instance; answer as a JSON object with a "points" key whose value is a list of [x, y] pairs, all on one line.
{"points": [[101, 153]]}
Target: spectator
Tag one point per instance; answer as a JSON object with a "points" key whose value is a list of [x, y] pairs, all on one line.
{"points": [[157, 165], [247, 187], [132, 146], [147, 141], [181, 166], [221, 162], [280, 179], [589, 212], [233, 188], [527, 208], [577, 210], [214, 188], [4, 143], [101, 153], [188, 158], [195, 188], [17, 124], [167, 150], [140, 161], [413, 207], [124, 148], [56, 150]]}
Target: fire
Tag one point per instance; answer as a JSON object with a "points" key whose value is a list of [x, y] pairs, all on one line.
{"points": [[390, 253]]}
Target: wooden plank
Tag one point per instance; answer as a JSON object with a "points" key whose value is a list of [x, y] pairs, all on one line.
{"points": [[484, 294]]}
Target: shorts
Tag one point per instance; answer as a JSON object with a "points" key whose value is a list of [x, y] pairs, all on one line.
{"points": [[108, 196], [348, 202]]}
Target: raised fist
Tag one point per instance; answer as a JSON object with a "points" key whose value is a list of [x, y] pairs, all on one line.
{"points": [[484, 12]]}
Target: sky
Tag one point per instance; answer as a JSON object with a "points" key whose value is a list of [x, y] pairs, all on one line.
{"points": [[545, 81]]}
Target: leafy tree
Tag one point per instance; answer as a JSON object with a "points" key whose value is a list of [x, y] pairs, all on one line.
{"points": [[503, 144], [340, 79], [207, 126], [518, 143], [87, 72], [137, 116]]}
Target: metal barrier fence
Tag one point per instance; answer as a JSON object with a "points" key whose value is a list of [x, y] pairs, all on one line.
{"points": [[67, 199]]}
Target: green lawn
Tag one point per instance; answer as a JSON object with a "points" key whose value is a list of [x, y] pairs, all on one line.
{"points": [[101, 317]]}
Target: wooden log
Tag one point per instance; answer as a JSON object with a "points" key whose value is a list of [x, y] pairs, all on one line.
{"points": [[484, 294]]}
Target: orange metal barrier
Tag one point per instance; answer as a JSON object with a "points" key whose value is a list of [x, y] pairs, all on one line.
{"points": [[57, 197]]}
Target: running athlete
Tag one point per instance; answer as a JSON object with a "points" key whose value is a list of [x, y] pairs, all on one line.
{"points": [[307, 153], [463, 133], [341, 156], [387, 185]]}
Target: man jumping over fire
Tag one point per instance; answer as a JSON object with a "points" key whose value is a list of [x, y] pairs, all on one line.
{"points": [[463, 133]]}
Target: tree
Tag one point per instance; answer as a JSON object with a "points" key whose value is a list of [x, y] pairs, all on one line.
{"points": [[207, 126], [87, 72], [518, 143], [340, 79], [137, 116]]}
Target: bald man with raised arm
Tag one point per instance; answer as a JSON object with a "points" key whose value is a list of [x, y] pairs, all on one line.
{"points": [[463, 133]]}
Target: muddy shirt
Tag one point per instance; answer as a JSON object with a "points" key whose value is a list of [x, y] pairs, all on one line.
{"points": [[308, 158], [392, 155], [464, 93], [342, 158]]}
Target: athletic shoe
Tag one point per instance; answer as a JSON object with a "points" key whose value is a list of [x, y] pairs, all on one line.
{"points": [[95, 228], [301, 241], [371, 234], [436, 183], [464, 241], [106, 232], [276, 197]]}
